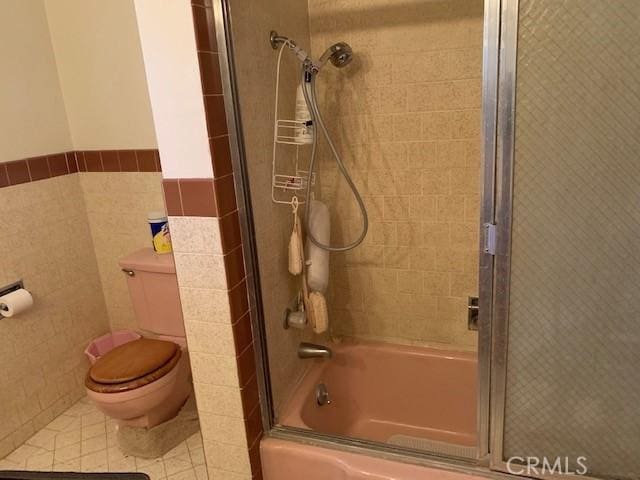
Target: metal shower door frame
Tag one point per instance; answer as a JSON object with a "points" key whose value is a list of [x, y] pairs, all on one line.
{"points": [[506, 52], [487, 273]]}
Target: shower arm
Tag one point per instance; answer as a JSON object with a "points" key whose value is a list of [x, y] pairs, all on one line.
{"points": [[276, 40]]}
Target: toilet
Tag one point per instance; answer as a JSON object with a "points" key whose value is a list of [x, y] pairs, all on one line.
{"points": [[145, 381]]}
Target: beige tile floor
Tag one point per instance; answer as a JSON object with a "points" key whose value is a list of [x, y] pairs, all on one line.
{"points": [[82, 439]]}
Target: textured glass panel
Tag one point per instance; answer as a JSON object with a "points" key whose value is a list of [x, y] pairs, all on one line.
{"points": [[573, 381]]}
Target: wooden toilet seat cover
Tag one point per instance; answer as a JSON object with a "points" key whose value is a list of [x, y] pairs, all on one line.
{"points": [[132, 365]]}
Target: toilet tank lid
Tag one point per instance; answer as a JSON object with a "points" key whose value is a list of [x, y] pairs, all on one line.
{"points": [[146, 260]]}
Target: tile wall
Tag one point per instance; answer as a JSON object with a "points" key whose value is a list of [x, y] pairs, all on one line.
{"points": [[273, 222], [406, 115], [203, 217], [117, 205], [79, 225], [46, 241]]}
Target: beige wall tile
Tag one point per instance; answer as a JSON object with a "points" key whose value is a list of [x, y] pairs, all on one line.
{"points": [[216, 338], [47, 243], [205, 305], [214, 369], [222, 457], [228, 430], [195, 235], [218, 400], [200, 271], [117, 206], [421, 157]]}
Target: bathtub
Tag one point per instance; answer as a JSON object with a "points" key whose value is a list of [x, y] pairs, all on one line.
{"points": [[414, 397], [287, 460]]}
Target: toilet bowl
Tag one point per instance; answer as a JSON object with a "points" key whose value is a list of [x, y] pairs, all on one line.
{"points": [[146, 380], [142, 397]]}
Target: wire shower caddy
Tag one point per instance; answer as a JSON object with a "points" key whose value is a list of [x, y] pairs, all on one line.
{"points": [[287, 187]]}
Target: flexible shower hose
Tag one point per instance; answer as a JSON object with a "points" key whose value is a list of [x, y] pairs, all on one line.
{"points": [[316, 118]]}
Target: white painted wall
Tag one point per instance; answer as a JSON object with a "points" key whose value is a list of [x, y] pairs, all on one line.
{"points": [[101, 71], [173, 77], [32, 113]]}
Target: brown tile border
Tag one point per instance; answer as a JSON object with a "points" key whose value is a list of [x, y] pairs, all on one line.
{"points": [[190, 197], [138, 160], [32, 169], [225, 194]]}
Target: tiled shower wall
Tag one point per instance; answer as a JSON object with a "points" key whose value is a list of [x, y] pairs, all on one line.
{"points": [[406, 115], [273, 222]]}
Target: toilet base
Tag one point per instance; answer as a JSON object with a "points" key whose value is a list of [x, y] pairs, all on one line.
{"points": [[163, 412], [157, 441]]}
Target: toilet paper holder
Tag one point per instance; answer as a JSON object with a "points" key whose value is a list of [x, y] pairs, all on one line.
{"points": [[12, 287]]}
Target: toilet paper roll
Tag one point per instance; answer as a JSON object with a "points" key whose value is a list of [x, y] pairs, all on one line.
{"points": [[15, 302]]}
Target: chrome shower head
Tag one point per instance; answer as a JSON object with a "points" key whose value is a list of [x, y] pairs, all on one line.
{"points": [[340, 54]]}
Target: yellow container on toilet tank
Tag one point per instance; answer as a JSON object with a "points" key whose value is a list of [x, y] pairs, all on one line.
{"points": [[159, 226]]}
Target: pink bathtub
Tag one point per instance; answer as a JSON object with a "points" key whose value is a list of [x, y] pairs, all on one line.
{"points": [[414, 397], [285, 460]]}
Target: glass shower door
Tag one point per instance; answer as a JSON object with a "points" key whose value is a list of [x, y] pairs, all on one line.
{"points": [[566, 383]]}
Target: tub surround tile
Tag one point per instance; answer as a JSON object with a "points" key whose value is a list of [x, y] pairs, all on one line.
{"points": [[414, 152]]}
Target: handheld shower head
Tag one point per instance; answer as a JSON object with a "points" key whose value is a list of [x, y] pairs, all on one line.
{"points": [[339, 54]]}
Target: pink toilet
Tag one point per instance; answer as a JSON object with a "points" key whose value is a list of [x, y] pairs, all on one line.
{"points": [[144, 381]]}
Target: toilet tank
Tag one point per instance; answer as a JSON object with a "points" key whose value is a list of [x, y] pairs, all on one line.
{"points": [[153, 287]]}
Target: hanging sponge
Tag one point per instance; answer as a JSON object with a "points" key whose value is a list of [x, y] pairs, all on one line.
{"points": [[295, 247], [320, 315]]}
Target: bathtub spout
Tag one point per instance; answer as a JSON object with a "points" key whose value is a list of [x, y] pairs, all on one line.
{"points": [[311, 350]]}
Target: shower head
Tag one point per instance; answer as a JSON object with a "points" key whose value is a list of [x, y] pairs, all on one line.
{"points": [[340, 54]]}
